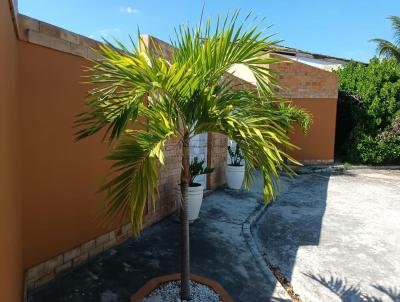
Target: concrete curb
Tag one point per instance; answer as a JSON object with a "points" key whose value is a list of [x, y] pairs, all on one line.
{"points": [[255, 250], [389, 167], [341, 168]]}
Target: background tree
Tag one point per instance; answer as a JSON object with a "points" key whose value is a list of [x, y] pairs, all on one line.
{"points": [[387, 49], [185, 96], [369, 111]]}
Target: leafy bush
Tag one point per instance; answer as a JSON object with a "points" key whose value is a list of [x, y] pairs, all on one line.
{"points": [[376, 151], [235, 156], [197, 167], [372, 96]]}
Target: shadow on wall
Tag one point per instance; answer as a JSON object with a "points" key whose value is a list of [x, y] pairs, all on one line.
{"points": [[352, 293]]}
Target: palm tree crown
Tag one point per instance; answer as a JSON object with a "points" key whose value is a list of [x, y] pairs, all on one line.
{"points": [[142, 99], [387, 49]]}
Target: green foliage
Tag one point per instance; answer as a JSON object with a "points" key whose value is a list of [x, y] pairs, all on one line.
{"points": [[372, 93], [197, 167], [235, 156], [385, 151], [186, 96]]}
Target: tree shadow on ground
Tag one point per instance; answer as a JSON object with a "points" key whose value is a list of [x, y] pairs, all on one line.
{"points": [[392, 292], [294, 220], [352, 293]]}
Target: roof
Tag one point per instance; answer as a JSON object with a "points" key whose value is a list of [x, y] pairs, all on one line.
{"points": [[288, 51]]}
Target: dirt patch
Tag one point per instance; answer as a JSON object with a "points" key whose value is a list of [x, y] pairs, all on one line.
{"points": [[284, 282]]}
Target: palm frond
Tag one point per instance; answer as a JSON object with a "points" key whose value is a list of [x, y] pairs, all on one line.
{"points": [[387, 49], [135, 172], [212, 53], [259, 126], [182, 96], [396, 28]]}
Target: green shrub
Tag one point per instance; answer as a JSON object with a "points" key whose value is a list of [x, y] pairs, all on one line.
{"points": [[376, 151], [372, 96]]}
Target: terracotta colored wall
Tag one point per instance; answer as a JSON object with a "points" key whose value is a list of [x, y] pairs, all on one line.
{"points": [[319, 144], [10, 238], [60, 176], [315, 90]]}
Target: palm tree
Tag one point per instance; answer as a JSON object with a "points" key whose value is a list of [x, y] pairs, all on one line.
{"points": [[189, 94], [386, 48]]}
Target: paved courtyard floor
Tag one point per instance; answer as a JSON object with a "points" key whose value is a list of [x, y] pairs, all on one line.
{"points": [[219, 251], [336, 237]]}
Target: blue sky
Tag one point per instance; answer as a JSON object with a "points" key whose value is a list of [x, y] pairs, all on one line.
{"points": [[337, 27]]}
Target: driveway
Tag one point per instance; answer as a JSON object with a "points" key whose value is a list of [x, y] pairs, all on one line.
{"points": [[336, 237]]}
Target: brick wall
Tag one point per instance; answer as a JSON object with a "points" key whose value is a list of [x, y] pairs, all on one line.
{"points": [[298, 80], [48, 35], [217, 158], [169, 179]]}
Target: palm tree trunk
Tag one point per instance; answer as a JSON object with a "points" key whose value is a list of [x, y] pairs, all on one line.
{"points": [[185, 249]]}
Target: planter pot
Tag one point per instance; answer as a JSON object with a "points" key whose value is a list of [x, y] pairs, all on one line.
{"points": [[235, 176], [195, 199], [155, 283]]}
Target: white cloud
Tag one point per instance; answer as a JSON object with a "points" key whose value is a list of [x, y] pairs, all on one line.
{"points": [[129, 10], [109, 32]]}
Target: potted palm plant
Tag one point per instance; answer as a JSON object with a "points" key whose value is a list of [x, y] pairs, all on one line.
{"points": [[178, 98], [235, 169], [195, 191]]}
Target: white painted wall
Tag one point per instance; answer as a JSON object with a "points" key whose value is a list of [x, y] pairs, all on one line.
{"points": [[321, 64], [198, 147]]}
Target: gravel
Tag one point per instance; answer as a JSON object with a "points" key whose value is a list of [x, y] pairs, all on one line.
{"points": [[169, 292]]}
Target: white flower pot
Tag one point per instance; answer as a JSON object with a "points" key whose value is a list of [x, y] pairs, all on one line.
{"points": [[235, 176], [195, 199]]}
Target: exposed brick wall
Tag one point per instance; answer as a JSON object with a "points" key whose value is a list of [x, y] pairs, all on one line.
{"points": [[157, 46], [298, 80], [48, 35], [217, 157], [48, 270], [169, 179]]}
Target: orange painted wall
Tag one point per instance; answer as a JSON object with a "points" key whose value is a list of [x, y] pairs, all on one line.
{"points": [[319, 143], [60, 176], [11, 284], [316, 90]]}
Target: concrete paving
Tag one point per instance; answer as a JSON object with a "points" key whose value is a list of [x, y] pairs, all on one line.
{"points": [[219, 251], [336, 237]]}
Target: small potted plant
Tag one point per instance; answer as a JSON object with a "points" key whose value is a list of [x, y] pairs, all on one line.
{"points": [[195, 190], [235, 170]]}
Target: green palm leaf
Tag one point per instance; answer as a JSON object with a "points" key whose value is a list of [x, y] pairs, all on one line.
{"points": [[180, 96], [387, 49]]}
